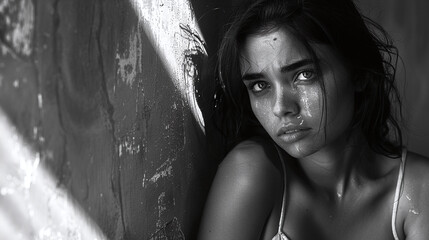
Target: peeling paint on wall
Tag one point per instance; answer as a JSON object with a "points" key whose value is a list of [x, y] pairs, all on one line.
{"points": [[129, 145], [18, 21], [129, 62], [175, 35]]}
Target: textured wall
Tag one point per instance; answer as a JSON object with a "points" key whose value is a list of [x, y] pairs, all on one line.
{"points": [[104, 94]]}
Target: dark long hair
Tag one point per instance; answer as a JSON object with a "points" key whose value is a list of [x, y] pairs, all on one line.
{"points": [[366, 48]]}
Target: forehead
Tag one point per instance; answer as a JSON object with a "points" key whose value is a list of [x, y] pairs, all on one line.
{"points": [[276, 48]]}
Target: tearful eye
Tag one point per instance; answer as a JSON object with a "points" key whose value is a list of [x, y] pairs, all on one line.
{"points": [[258, 86], [305, 75]]}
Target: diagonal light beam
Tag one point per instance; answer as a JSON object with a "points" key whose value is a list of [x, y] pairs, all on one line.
{"points": [[32, 206], [176, 37]]}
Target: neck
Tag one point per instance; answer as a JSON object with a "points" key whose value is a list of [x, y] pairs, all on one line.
{"points": [[334, 167]]}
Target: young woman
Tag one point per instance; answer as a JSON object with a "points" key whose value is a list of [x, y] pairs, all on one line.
{"points": [[307, 104]]}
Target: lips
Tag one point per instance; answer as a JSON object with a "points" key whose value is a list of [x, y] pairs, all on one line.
{"points": [[292, 133], [290, 129]]}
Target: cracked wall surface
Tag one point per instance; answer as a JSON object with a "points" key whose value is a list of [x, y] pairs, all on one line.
{"points": [[121, 128]]}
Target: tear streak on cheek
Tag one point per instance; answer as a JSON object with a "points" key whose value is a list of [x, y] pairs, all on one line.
{"points": [[309, 98]]}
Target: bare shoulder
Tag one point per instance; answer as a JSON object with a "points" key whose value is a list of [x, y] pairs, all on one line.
{"points": [[253, 156], [251, 165], [243, 193], [415, 197]]}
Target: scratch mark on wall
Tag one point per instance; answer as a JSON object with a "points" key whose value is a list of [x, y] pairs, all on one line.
{"points": [[129, 61], [163, 171], [168, 24]]}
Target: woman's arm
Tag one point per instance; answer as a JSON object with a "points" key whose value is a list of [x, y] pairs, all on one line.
{"points": [[242, 195]]}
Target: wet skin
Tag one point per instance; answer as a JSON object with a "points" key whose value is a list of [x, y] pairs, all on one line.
{"points": [[286, 95]]}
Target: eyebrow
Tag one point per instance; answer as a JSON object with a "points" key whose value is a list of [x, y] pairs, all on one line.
{"points": [[287, 68]]}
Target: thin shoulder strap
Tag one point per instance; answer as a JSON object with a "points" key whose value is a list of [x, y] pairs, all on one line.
{"points": [[280, 235], [398, 192]]}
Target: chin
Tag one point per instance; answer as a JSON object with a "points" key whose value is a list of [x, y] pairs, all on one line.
{"points": [[298, 150], [294, 150]]}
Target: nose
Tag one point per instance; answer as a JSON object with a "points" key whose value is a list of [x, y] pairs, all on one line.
{"points": [[285, 102]]}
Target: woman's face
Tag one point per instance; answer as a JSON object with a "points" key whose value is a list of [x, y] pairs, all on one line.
{"points": [[286, 96]]}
